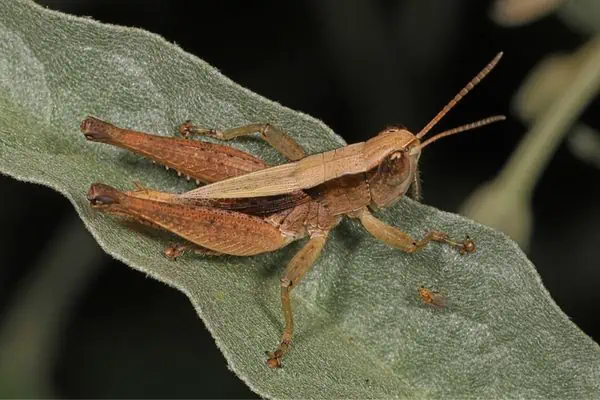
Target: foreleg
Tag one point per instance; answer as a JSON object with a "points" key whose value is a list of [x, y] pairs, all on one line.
{"points": [[400, 240]]}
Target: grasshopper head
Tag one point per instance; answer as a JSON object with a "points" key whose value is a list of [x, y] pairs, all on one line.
{"points": [[396, 151], [396, 169], [395, 172]]}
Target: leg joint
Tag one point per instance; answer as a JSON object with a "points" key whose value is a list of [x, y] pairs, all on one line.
{"points": [[264, 130], [285, 282]]}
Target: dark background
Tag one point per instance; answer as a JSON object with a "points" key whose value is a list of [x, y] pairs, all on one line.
{"points": [[358, 66]]}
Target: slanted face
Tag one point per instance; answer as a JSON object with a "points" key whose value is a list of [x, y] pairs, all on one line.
{"points": [[390, 180]]}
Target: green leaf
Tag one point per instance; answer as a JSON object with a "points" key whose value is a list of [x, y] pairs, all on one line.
{"points": [[362, 331]]}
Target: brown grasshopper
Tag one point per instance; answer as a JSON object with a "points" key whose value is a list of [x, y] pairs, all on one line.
{"points": [[432, 297], [249, 208]]}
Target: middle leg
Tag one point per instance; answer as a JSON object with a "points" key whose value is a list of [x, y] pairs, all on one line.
{"points": [[300, 264], [279, 140]]}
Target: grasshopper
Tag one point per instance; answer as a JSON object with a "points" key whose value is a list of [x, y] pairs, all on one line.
{"points": [[248, 207], [432, 297]]}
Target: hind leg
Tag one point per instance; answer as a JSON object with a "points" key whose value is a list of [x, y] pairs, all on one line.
{"points": [[222, 231]]}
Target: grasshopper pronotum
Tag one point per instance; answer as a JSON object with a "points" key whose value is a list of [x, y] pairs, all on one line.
{"points": [[248, 208]]}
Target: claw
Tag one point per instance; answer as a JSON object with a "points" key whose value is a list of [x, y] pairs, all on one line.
{"points": [[468, 246], [186, 129], [273, 361], [463, 247], [175, 250]]}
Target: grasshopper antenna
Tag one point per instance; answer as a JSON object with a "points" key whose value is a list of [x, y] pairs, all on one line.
{"points": [[462, 128], [460, 95]]}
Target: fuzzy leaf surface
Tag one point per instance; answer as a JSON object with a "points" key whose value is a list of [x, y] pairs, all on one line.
{"points": [[362, 331]]}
